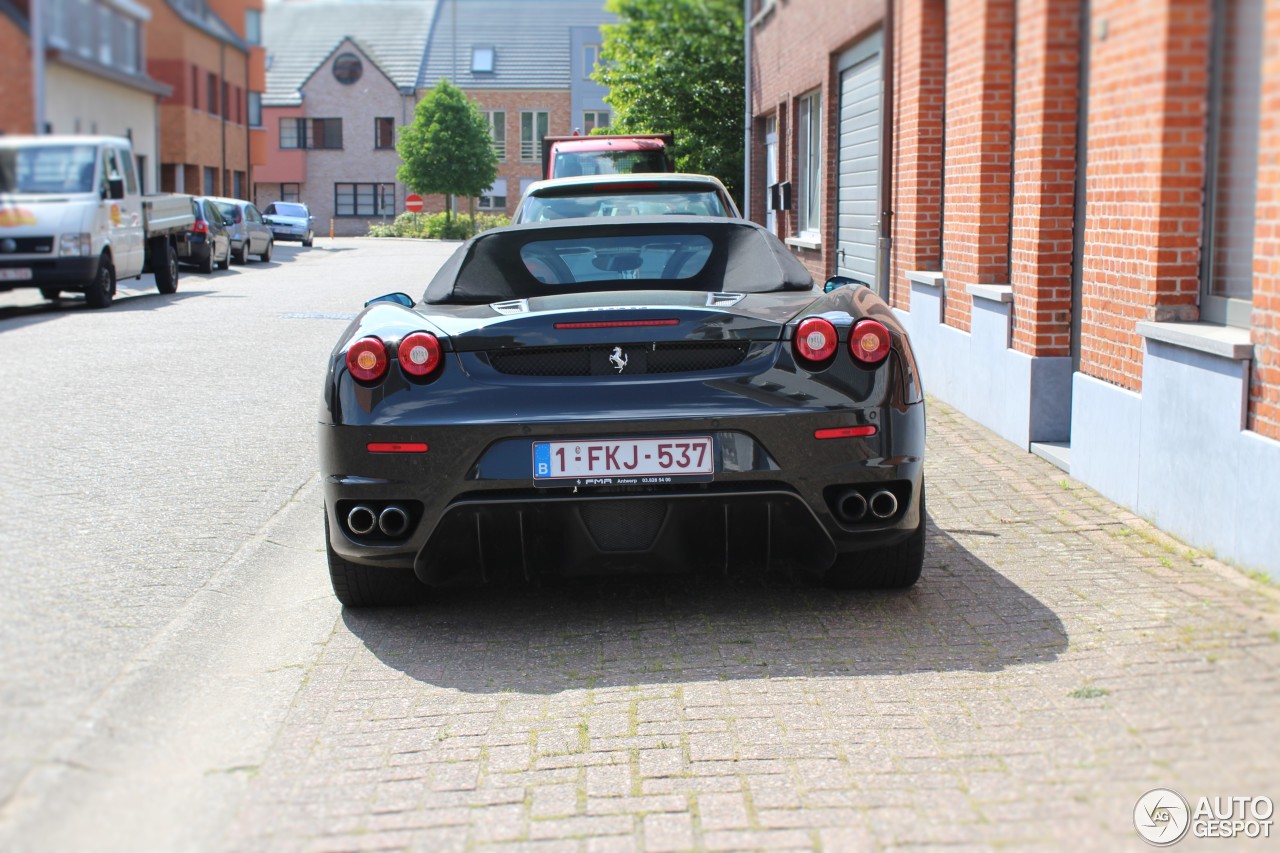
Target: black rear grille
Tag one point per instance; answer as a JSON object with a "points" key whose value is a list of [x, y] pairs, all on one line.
{"points": [[28, 246], [678, 357]]}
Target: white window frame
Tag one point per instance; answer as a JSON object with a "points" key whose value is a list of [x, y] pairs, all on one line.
{"points": [[483, 59], [497, 120], [809, 166], [591, 119], [590, 59], [496, 192], [531, 146]]}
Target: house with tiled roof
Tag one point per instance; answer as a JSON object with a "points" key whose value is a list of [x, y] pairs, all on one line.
{"points": [[341, 80], [527, 65], [344, 76]]}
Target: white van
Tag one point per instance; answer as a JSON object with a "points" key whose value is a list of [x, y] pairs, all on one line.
{"points": [[72, 218]]}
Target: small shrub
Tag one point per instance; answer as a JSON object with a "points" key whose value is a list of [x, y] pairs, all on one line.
{"points": [[436, 226]]}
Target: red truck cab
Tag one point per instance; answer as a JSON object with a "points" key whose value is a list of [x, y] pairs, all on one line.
{"points": [[612, 154]]}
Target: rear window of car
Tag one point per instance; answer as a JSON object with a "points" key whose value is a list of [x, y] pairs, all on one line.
{"points": [[639, 257], [687, 203], [227, 209], [290, 210], [609, 163]]}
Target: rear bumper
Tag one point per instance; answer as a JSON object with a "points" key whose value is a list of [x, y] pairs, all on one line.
{"points": [[475, 514]]}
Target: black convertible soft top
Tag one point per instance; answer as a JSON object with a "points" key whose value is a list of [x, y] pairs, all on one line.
{"points": [[624, 253]]}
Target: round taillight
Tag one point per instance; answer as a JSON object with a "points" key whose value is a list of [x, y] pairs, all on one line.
{"points": [[815, 340], [367, 359], [419, 354], [869, 342]]}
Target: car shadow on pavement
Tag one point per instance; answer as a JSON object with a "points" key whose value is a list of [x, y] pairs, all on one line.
{"points": [[17, 316], [961, 616]]}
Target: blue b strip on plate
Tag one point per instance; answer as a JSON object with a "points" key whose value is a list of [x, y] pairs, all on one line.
{"points": [[541, 460]]}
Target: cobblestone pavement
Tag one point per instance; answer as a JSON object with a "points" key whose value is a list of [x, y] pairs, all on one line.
{"points": [[1059, 658]]}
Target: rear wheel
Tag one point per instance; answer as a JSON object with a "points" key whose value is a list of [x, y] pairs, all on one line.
{"points": [[892, 567], [99, 292], [266, 253], [225, 264], [166, 271], [206, 264], [242, 256], [363, 586]]}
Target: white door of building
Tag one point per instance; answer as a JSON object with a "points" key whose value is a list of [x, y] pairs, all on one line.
{"points": [[857, 224]]}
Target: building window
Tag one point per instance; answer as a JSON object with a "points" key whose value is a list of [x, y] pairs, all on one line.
{"points": [[127, 44], [226, 100], [255, 109], [347, 68], [594, 119], [533, 126], [211, 102], [253, 26], [364, 199], [84, 36], [195, 88], [237, 182], [495, 198], [291, 192], [590, 58], [384, 133], [497, 120], [56, 18], [1235, 107], [809, 125], [311, 133], [482, 59], [210, 180], [104, 35]]}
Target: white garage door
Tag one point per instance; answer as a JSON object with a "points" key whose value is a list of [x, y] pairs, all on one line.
{"points": [[859, 176]]}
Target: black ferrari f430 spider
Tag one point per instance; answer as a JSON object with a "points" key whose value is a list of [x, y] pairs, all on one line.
{"points": [[608, 396]]}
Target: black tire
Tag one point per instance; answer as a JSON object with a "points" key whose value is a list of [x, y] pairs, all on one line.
{"points": [[166, 272], [892, 567], [225, 263], [363, 586], [99, 292], [206, 265], [266, 253], [53, 294], [242, 256]]}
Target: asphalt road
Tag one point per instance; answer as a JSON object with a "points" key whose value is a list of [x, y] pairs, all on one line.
{"points": [[143, 446], [175, 673]]}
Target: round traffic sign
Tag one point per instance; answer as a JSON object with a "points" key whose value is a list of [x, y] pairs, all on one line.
{"points": [[413, 202]]}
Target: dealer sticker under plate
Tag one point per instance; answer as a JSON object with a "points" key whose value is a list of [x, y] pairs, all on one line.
{"points": [[623, 461]]}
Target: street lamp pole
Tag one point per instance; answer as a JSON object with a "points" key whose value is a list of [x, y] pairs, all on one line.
{"points": [[37, 63]]}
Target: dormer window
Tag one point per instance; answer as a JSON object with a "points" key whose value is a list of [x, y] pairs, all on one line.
{"points": [[482, 60]]}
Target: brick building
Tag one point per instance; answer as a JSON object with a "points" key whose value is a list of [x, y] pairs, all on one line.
{"points": [[17, 97], [332, 129], [204, 51], [342, 81], [1072, 206], [527, 66]]}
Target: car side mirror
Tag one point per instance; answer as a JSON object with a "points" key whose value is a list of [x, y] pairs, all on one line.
{"points": [[840, 281], [115, 188], [402, 299]]}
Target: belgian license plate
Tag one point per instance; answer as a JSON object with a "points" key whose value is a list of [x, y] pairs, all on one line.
{"points": [[623, 461], [16, 274]]}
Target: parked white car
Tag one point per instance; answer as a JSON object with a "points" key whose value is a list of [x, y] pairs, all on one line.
{"points": [[640, 194], [72, 218]]}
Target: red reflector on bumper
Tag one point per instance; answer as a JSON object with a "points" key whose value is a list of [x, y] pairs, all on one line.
{"points": [[397, 447], [845, 432], [617, 324]]}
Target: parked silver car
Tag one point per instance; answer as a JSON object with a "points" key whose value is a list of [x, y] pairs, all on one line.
{"points": [[249, 233], [289, 220]]}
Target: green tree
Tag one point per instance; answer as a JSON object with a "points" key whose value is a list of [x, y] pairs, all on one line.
{"points": [[676, 66], [447, 149]]}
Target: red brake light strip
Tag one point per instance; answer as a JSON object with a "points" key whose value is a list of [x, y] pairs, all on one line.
{"points": [[616, 324], [397, 447], [846, 432]]}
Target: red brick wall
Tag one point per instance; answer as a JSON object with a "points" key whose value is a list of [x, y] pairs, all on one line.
{"points": [[1146, 149], [1044, 169], [559, 123], [794, 48], [979, 150], [17, 112], [1264, 392], [919, 101]]}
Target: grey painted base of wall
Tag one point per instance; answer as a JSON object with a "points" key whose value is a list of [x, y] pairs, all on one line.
{"points": [[1022, 398], [1177, 453]]}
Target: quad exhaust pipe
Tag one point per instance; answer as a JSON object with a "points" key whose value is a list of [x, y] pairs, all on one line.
{"points": [[883, 504], [393, 521], [361, 520], [853, 506]]}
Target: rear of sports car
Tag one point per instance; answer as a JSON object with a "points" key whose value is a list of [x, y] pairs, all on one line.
{"points": [[616, 431]]}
